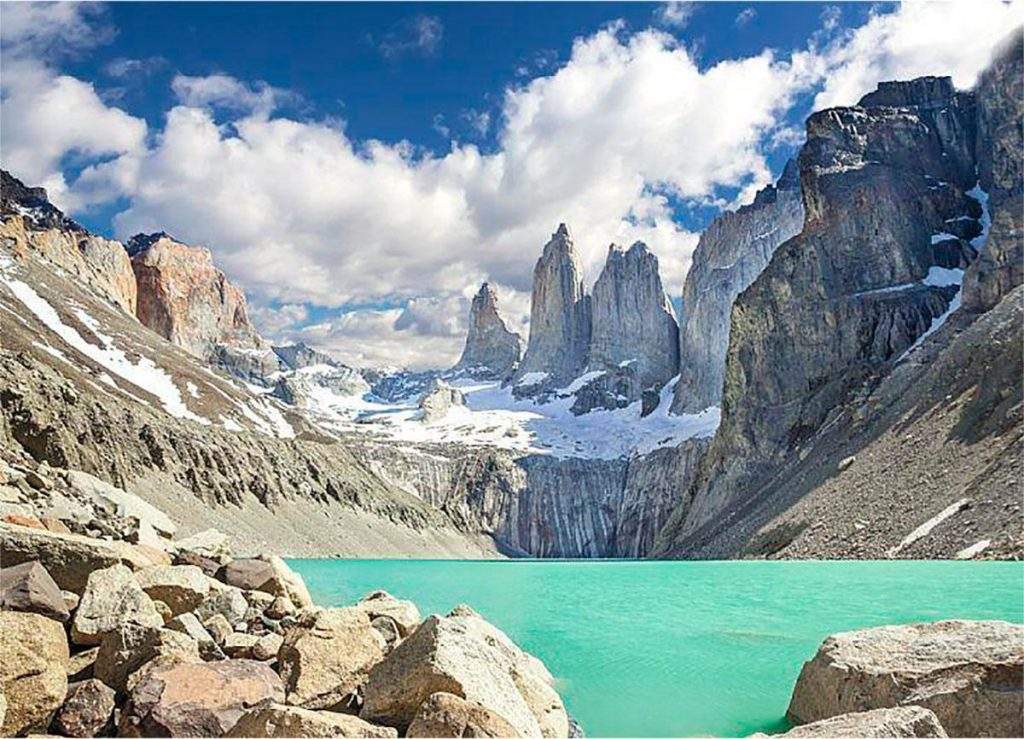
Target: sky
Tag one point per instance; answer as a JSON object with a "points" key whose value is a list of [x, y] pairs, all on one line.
{"points": [[359, 169]]}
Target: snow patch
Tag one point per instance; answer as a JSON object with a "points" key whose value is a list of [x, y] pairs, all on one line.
{"points": [[532, 378], [926, 528], [144, 374], [974, 549]]}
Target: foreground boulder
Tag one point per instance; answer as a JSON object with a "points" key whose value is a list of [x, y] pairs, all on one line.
{"points": [[276, 720], [268, 575], [381, 604], [969, 673], [88, 710], [112, 597], [28, 587], [909, 721], [33, 656], [327, 656], [130, 647], [181, 587], [447, 715], [204, 699], [464, 655], [69, 558]]}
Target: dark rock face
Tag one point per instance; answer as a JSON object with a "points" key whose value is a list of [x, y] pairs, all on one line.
{"points": [[731, 253], [633, 320], [559, 343], [889, 190], [1000, 151], [492, 350], [28, 587], [31, 202]]}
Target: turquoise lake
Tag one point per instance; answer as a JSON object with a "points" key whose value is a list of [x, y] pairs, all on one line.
{"points": [[680, 648]]}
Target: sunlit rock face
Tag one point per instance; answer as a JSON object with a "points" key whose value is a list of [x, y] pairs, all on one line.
{"points": [[492, 350], [633, 321], [186, 299], [731, 253], [559, 343]]}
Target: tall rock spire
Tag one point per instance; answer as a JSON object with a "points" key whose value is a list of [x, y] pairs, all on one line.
{"points": [[633, 321], [492, 350], [559, 341]]}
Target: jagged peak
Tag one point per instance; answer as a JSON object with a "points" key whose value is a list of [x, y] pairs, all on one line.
{"points": [[562, 232], [142, 241], [916, 92], [560, 244], [17, 198]]}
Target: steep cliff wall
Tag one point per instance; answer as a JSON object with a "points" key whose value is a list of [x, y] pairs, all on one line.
{"points": [[893, 208], [491, 350], [633, 320], [731, 253]]}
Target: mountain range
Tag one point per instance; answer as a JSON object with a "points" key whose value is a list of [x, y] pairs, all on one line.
{"points": [[843, 379]]}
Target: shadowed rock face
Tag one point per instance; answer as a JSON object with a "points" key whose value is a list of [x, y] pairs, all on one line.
{"points": [[187, 300], [559, 341], [1000, 150], [633, 320], [731, 253], [491, 350], [843, 300]]}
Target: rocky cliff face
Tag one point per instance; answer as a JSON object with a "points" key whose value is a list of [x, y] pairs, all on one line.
{"points": [[559, 343], [731, 253], [186, 299], [892, 209], [30, 221], [633, 320], [1000, 144], [543, 506], [492, 350]]}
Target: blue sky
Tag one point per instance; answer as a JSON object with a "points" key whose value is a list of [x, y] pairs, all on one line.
{"points": [[368, 64], [359, 168]]}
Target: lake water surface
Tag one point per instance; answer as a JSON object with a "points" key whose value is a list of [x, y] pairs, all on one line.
{"points": [[679, 648]]}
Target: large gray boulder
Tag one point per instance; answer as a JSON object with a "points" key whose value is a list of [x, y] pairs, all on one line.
{"points": [[112, 597], [492, 350], [909, 721], [969, 673], [464, 655], [633, 320], [327, 655], [559, 343], [733, 250], [69, 558]]}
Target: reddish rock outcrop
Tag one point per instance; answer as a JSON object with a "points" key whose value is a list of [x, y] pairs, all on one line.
{"points": [[186, 299]]}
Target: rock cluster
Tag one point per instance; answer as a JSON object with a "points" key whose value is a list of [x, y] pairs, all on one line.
{"points": [[186, 299], [492, 350], [185, 640], [961, 678], [608, 348]]}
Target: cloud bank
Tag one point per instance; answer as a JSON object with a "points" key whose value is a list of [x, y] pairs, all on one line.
{"points": [[613, 141]]}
